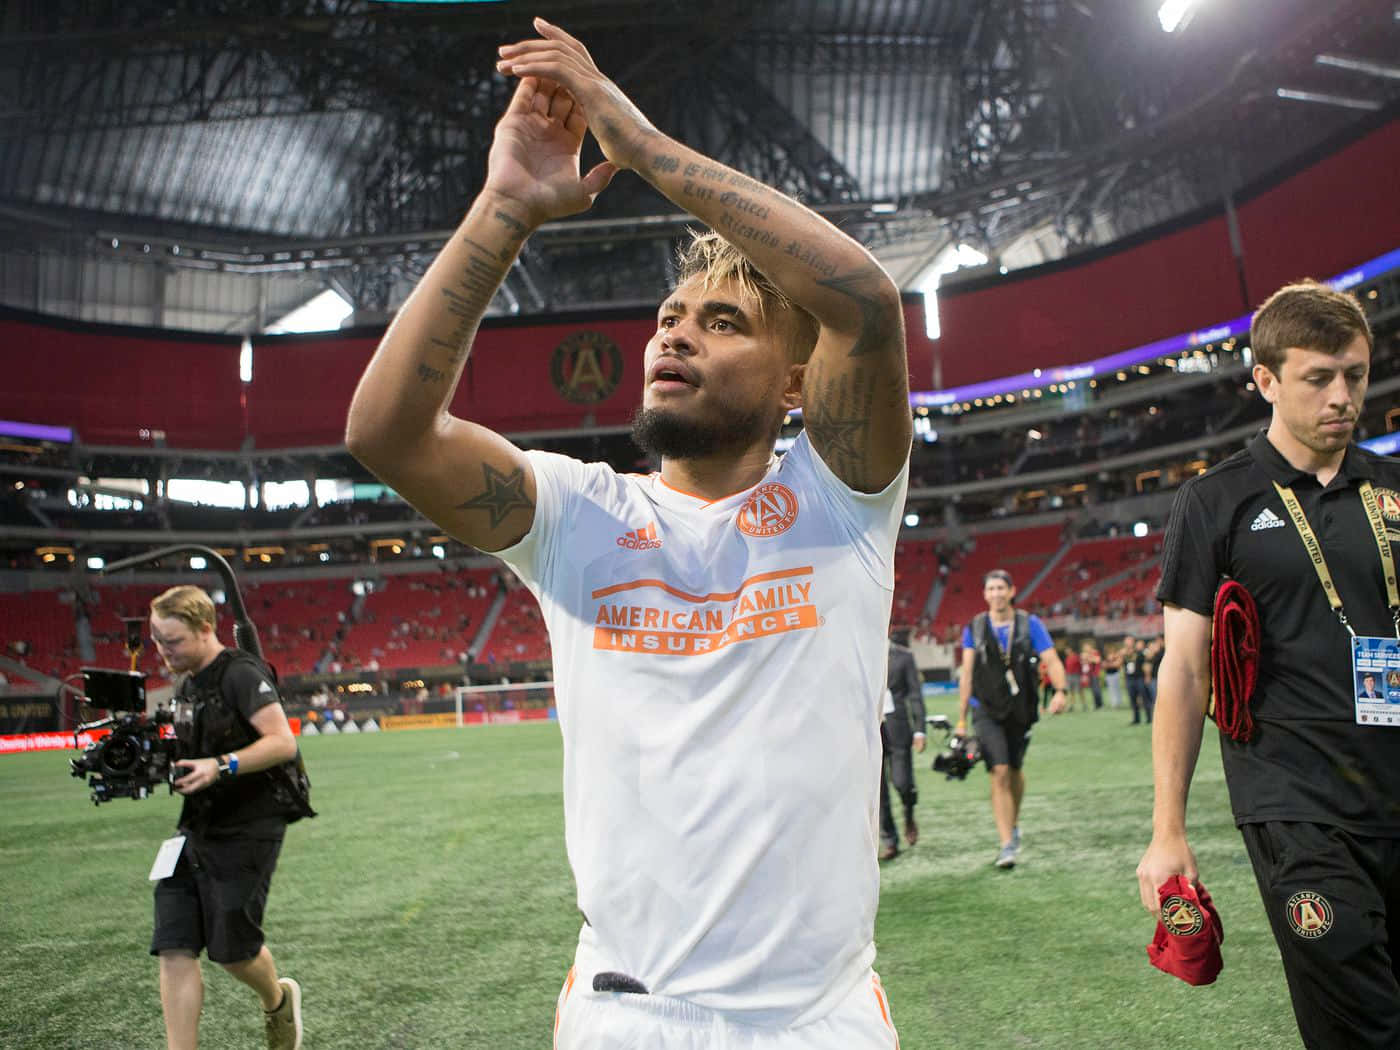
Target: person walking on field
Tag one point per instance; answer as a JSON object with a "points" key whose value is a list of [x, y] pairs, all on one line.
{"points": [[1003, 653], [699, 797], [1306, 524]]}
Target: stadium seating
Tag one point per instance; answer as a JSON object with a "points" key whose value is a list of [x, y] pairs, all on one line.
{"points": [[421, 620], [41, 624], [519, 633], [915, 570], [1021, 552], [1088, 562]]}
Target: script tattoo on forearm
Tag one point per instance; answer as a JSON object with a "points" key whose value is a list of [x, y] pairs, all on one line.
{"points": [[468, 300], [503, 494]]}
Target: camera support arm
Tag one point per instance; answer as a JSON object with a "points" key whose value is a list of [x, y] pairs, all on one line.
{"points": [[245, 635]]}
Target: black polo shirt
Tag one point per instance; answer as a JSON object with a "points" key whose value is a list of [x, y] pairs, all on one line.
{"points": [[1308, 760]]}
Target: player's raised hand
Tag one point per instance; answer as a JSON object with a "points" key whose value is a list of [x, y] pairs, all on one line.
{"points": [[619, 126], [534, 156]]}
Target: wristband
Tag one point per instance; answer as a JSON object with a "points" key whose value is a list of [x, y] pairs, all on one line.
{"points": [[228, 765]]}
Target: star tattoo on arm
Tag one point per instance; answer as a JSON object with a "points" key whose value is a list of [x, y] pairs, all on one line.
{"points": [[504, 493]]}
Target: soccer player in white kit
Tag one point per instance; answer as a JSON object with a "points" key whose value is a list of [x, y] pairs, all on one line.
{"points": [[718, 629]]}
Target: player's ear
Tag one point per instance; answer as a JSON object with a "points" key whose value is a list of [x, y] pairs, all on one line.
{"points": [[792, 391]]}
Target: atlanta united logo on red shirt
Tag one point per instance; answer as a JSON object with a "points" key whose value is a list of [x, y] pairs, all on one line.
{"points": [[1181, 917], [771, 509]]}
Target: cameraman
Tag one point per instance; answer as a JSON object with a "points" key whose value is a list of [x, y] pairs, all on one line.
{"points": [[998, 680], [233, 819]]}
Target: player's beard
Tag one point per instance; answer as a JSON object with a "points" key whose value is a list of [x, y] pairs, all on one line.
{"points": [[670, 435]]}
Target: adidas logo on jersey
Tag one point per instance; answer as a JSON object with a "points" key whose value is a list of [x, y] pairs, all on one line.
{"points": [[1267, 519], [640, 539]]}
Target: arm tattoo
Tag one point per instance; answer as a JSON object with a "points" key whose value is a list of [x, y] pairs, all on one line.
{"points": [[467, 302], [837, 415], [514, 225], [879, 326], [430, 375], [504, 493]]}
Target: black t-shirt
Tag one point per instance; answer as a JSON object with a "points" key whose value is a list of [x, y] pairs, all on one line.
{"points": [[242, 805], [1133, 665], [1309, 760]]}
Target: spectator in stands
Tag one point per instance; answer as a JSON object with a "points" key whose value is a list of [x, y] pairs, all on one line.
{"points": [[236, 810], [1002, 652], [688, 895]]}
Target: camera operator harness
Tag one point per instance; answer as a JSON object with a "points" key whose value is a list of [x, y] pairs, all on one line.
{"points": [[141, 750]]}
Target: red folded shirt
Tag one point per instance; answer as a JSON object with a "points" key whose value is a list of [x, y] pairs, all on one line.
{"points": [[1234, 660], [1189, 933]]}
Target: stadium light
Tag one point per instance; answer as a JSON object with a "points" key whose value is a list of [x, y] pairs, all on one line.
{"points": [[198, 562], [95, 563], [911, 519], [948, 260], [1140, 529], [245, 360], [439, 551], [1176, 14], [323, 312]]}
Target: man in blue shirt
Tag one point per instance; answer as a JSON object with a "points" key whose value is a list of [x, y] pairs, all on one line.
{"points": [[1002, 650]]}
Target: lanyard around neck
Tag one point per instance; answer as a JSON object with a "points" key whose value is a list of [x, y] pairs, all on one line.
{"points": [[1010, 635], [1314, 549]]}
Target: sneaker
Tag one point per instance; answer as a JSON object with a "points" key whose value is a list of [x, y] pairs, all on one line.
{"points": [[1016, 839], [911, 829], [1007, 857], [284, 1023]]}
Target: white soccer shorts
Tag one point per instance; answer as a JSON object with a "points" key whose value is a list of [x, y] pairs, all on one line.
{"points": [[589, 1020]]}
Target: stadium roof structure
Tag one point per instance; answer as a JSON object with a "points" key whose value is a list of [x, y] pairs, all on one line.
{"points": [[210, 165]]}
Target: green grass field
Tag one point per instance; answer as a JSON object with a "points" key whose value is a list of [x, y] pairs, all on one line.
{"points": [[431, 905]]}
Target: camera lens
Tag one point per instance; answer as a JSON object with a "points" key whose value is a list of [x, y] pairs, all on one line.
{"points": [[120, 756]]}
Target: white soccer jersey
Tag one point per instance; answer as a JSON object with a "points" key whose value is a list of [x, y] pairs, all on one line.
{"points": [[718, 671]]}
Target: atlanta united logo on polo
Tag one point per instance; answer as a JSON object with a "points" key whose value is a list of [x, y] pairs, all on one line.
{"points": [[1389, 503], [1181, 917], [1310, 914], [770, 510]]}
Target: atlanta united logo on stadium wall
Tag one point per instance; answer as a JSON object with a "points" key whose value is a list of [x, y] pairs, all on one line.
{"points": [[770, 510], [586, 368], [1181, 917]]}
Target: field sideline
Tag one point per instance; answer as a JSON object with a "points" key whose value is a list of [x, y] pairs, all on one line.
{"points": [[431, 905]]}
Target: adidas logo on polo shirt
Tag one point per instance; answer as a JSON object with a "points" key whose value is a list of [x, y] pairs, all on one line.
{"points": [[1267, 519]]}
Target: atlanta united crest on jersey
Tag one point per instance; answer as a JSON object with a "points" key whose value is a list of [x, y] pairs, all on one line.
{"points": [[718, 667]]}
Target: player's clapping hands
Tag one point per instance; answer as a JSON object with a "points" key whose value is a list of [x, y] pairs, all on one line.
{"points": [[534, 156], [619, 126]]}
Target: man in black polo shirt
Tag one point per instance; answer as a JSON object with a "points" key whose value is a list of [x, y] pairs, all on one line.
{"points": [[1316, 789]]}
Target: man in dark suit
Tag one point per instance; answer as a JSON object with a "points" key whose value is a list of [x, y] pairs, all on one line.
{"points": [[901, 730], [1369, 690]]}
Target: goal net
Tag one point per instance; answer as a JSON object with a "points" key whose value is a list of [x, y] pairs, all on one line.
{"points": [[502, 704]]}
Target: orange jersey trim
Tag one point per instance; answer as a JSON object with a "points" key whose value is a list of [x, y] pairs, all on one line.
{"points": [[717, 596]]}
